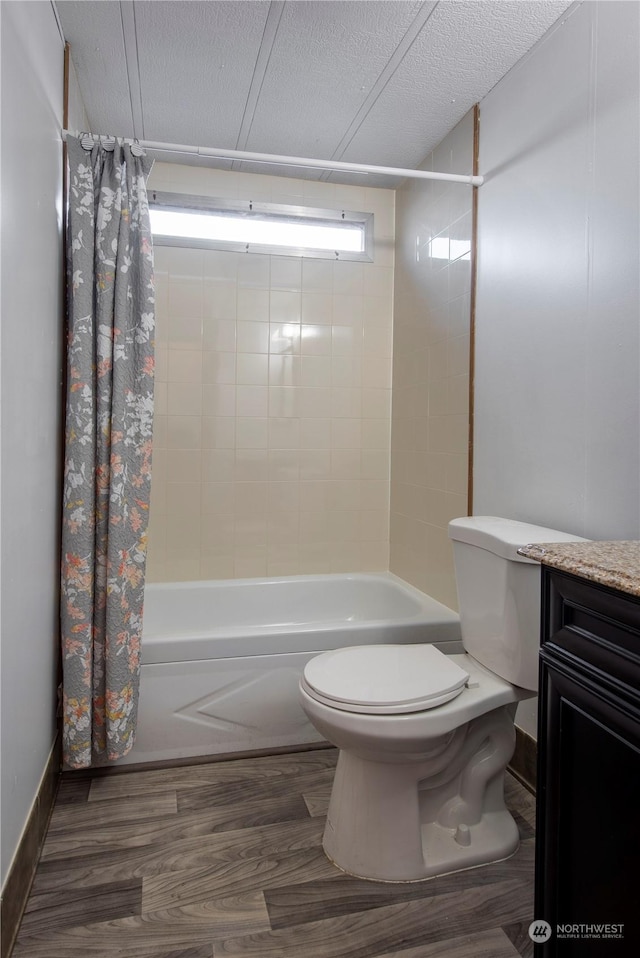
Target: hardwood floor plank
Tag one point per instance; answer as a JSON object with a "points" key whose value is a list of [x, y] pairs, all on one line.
{"points": [[240, 815], [392, 927], [73, 791], [486, 944], [265, 768], [84, 842], [67, 908], [229, 878], [128, 863], [518, 934], [317, 800], [61, 948], [153, 933], [342, 894], [118, 811], [208, 796]]}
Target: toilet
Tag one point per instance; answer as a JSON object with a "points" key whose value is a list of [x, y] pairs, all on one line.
{"points": [[425, 737]]}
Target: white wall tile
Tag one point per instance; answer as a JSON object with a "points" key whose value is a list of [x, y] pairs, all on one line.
{"points": [[286, 272], [251, 464], [253, 305], [220, 334], [260, 394]]}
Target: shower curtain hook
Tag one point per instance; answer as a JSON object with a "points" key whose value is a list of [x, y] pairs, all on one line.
{"points": [[87, 141], [136, 149]]}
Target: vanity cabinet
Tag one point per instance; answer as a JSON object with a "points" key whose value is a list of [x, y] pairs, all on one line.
{"points": [[588, 827]]}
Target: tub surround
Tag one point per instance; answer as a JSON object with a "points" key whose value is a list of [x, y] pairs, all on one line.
{"points": [[273, 396], [615, 564]]}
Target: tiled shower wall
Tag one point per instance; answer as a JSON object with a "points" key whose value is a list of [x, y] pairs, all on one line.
{"points": [[429, 459], [273, 393]]}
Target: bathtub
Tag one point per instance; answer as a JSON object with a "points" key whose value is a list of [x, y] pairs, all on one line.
{"points": [[221, 660]]}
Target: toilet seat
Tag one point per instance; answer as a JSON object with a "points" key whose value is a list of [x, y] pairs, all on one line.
{"points": [[384, 679]]}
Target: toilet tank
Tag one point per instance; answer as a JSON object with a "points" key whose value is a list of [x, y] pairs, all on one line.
{"points": [[499, 593]]}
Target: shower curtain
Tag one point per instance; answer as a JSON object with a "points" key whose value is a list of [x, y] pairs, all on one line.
{"points": [[107, 468]]}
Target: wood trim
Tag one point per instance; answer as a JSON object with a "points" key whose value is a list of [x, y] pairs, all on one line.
{"points": [[65, 101], [523, 763], [23, 868], [472, 318]]}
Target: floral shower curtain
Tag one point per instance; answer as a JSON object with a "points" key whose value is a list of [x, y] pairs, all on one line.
{"points": [[108, 448]]}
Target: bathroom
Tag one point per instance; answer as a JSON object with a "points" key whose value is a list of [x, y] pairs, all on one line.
{"points": [[555, 435]]}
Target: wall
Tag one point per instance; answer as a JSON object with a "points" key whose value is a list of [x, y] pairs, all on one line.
{"points": [[557, 385], [429, 436], [557, 360], [32, 327], [271, 445]]}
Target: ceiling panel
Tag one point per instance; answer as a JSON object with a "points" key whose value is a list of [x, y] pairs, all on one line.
{"points": [[372, 81], [326, 59], [461, 54], [97, 46], [196, 63]]}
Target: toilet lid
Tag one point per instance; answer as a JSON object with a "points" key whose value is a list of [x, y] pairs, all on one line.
{"points": [[382, 679]]}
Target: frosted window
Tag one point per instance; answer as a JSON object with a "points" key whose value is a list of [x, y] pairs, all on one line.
{"points": [[178, 220]]}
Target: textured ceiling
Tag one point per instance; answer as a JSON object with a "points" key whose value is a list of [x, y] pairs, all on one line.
{"points": [[369, 81]]}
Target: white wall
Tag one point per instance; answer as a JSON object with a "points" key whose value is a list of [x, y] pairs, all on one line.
{"points": [[31, 261], [557, 386], [557, 360]]}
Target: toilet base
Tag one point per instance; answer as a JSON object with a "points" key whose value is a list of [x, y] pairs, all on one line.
{"points": [[447, 857], [425, 817]]}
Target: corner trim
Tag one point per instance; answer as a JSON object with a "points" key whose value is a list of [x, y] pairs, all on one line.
{"points": [[23, 867]]}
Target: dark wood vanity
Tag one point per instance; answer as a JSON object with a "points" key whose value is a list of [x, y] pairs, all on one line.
{"points": [[588, 800]]}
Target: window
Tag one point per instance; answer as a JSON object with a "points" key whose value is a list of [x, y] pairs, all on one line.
{"points": [[181, 220]]}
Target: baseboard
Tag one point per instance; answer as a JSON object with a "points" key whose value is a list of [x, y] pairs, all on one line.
{"points": [[523, 764], [23, 868]]}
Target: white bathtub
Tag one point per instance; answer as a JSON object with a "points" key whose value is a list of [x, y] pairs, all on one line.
{"points": [[221, 660]]}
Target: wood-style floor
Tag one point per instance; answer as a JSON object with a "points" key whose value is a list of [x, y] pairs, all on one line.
{"points": [[226, 859]]}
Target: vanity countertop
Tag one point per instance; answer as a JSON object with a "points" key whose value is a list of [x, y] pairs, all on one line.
{"points": [[616, 564]]}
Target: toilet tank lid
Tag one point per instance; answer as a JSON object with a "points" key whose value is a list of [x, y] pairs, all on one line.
{"points": [[504, 537]]}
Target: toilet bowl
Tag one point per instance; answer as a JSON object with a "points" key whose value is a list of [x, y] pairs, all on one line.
{"points": [[425, 737]]}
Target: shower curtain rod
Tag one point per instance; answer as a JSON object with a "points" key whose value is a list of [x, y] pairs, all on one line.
{"points": [[300, 161]]}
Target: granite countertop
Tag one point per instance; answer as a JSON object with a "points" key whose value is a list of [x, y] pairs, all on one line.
{"points": [[616, 564]]}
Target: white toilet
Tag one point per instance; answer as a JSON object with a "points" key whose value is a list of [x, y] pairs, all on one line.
{"points": [[425, 737]]}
